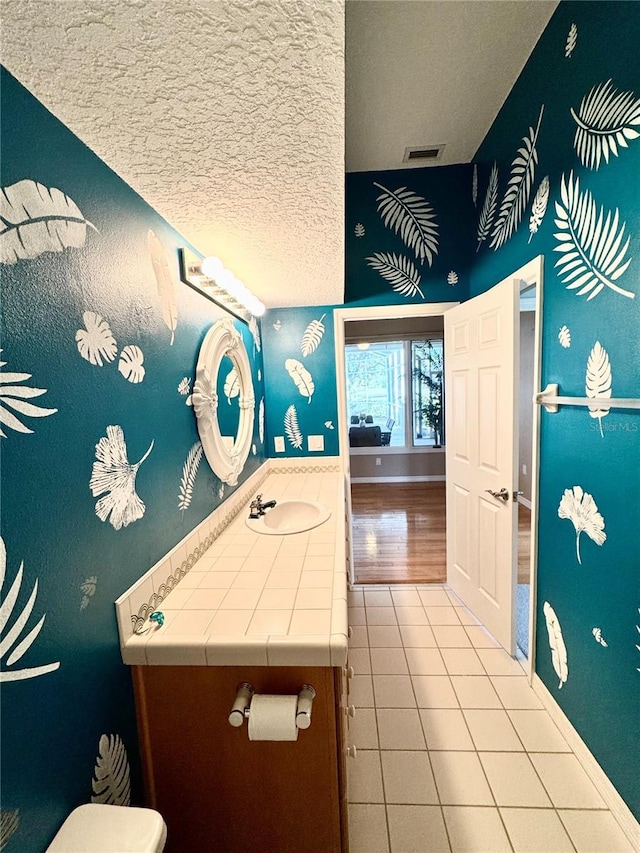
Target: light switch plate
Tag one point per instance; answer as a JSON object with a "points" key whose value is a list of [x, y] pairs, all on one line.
{"points": [[315, 442], [278, 442]]}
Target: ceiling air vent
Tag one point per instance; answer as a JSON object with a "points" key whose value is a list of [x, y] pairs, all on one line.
{"points": [[424, 154]]}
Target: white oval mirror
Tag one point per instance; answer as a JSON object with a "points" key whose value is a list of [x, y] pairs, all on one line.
{"points": [[223, 359]]}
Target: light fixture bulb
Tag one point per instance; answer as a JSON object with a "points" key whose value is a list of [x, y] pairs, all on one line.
{"points": [[364, 345], [258, 308], [211, 267]]}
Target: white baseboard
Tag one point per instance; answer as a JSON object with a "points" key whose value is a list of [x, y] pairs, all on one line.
{"points": [[427, 478], [524, 502], [619, 809]]}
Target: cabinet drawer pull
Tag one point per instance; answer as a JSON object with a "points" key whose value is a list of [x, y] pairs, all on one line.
{"points": [[350, 711], [350, 632], [351, 752], [349, 671]]}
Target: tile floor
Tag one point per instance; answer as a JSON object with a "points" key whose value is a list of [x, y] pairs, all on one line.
{"points": [[455, 753]]}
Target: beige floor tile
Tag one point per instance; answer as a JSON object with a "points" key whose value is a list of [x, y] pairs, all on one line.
{"points": [[595, 832], [445, 728], [536, 830], [434, 597], [434, 691], [453, 598], [360, 661], [498, 662], [358, 638], [462, 662], [377, 598], [466, 617], [411, 616], [538, 732], [425, 662], [513, 780], [381, 616], [416, 829], [442, 616], [368, 829], [364, 777], [566, 781], [474, 829], [400, 728], [388, 662], [406, 598], [361, 691], [481, 638], [355, 598], [451, 636], [460, 779], [515, 693], [384, 636], [417, 637], [363, 731], [393, 691], [407, 778], [475, 691], [357, 616], [492, 731]]}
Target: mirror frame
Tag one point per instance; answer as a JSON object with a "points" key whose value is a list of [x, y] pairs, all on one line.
{"points": [[223, 339]]}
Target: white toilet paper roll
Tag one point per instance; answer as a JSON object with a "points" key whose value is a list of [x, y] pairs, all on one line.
{"points": [[273, 717]]}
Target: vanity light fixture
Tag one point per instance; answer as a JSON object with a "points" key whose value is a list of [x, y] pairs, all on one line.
{"points": [[209, 276], [363, 345]]}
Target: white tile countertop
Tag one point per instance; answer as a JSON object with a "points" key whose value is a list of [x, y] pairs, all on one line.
{"points": [[253, 599]]}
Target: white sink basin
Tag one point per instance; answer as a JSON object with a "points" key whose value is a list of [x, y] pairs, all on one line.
{"points": [[290, 517]]}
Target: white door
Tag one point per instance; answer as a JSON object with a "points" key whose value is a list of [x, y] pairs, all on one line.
{"points": [[481, 366]]}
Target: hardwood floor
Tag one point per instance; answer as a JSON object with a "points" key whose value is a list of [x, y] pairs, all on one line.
{"points": [[399, 532]]}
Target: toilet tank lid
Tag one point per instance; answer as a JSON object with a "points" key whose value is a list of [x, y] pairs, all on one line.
{"points": [[97, 828]]}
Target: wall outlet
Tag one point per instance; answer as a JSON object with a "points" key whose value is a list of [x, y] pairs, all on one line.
{"points": [[315, 442], [278, 443], [524, 469], [378, 460]]}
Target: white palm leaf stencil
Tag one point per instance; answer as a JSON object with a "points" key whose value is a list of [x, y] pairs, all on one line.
{"points": [[412, 218], [232, 385], [452, 277], [606, 120], [189, 471], [580, 508], [399, 271], [564, 336], [14, 396], [35, 219], [11, 646], [292, 428], [474, 185], [312, 336], [572, 38], [598, 380], [113, 477], [556, 643], [591, 247], [539, 206], [301, 376], [597, 635], [9, 822], [489, 207], [164, 282], [261, 421], [96, 341], [111, 783], [130, 364], [518, 190]]}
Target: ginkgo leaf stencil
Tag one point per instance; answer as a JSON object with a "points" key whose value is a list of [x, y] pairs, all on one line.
{"points": [[312, 336], [606, 120], [580, 508], [556, 644], [111, 782], [399, 271], [598, 380], [301, 376], [14, 396], [96, 340], [292, 428], [412, 218]]}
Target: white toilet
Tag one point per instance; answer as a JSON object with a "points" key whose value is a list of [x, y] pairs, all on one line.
{"points": [[95, 828]]}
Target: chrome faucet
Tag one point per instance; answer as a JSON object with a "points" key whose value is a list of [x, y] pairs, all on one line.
{"points": [[258, 508]]}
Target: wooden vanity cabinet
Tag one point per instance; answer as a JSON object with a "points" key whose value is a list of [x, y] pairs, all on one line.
{"points": [[219, 791]]}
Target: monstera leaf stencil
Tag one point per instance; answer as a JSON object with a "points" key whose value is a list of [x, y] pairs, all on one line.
{"points": [[189, 471], [489, 207], [598, 380], [412, 218], [539, 206], [114, 478], [556, 643], [292, 428], [130, 364], [301, 376], [111, 777], [606, 120], [399, 271], [164, 282], [591, 247], [580, 508], [35, 219], [14, 396], [312, 336], [96, 341]]}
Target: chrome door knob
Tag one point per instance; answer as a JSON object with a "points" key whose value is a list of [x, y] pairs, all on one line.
{"points": [[502, 495]]}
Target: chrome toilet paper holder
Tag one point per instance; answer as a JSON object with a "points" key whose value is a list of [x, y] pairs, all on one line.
{"points": [[241, 708]]}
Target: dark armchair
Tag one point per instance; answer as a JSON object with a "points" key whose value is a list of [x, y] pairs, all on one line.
{"points": [[365, 436]]}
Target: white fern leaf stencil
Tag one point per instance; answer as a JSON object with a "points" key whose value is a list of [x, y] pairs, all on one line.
{"points": [[412, 218], [597, 633], [452, 277], [489, 207], [301, 376], [111, 782], [539, 206], [35, 219], [232, 385], [399, 271], [591, 247], [189, 471], [88, 589], [10, 633], [518, 189], [564, 336], [312, 336], [474, 185], [261, 421], [607, 118], [359, 229], [598, 380], [292, 428], [164, 282], [130, 364], [572, 38], [113, 477], [580, 508], [96, 341], [9, 823], [14, 396], [556, 643]]}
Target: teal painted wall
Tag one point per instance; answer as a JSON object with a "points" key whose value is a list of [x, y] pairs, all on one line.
{"points": [[52, 721], [601, 695]]}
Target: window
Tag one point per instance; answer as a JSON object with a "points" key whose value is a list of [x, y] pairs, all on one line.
{"points": [[427, 358]]}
